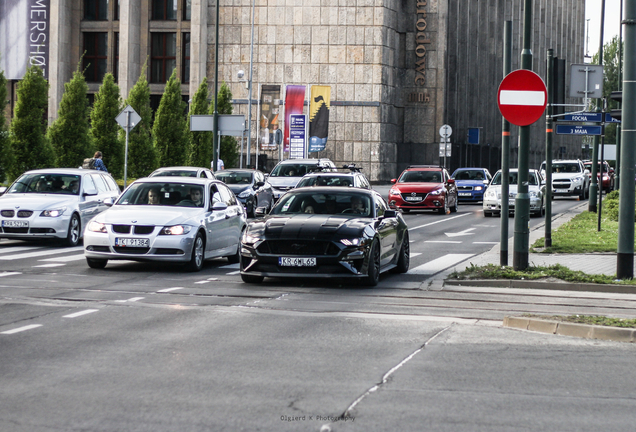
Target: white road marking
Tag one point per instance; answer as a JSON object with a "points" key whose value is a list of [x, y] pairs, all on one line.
{"points": [[3, 274], [439, 264], [15, 249], [486, 243], [50, 265], [439, 221], [414, 254], [231, 266], [213, 279], [134, 299], [443, 241], [65, 258], [203, 282], [79, 314], [461, 233], [169, 289], [233, 273], [21, 329], [42, 253]]}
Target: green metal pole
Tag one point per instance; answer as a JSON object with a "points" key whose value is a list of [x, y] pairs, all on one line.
{"points": [[505, 152], [522, 202], [215, 133], [549, 134], [591, 205], [617, 173], [625, 255]]}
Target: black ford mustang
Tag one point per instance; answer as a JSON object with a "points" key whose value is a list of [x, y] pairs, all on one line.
{"points": [[326, 232]]}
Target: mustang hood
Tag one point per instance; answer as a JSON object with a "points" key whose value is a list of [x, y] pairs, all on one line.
{"points": [[148, 215], [310, 227], [36, 202]]}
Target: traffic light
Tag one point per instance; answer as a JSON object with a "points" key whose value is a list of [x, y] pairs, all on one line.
{"points": [[617, 96]]}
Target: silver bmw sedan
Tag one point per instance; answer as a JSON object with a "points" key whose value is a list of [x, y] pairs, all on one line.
{"points": [[183, 219]]}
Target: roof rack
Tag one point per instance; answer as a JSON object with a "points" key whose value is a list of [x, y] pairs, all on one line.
{"points": [[424, 166], [352, 167]]}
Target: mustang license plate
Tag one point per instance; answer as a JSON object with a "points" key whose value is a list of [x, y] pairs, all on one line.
{"points": [[15, 224], [296, 262], [132, 242]]}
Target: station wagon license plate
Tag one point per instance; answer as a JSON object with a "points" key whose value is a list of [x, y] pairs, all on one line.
{"points": [[15, 224], [296, 262], [132, 242], [465, 194]]}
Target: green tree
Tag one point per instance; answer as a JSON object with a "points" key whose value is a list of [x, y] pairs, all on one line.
{"points": [[611, 63], [199, 143], [229, 148], [6, 155], [104, 128], [28, 141], [69, 132], [141, 153], [169, 129]]}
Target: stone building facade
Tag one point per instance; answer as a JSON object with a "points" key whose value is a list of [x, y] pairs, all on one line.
{"points": [[398, 69]]}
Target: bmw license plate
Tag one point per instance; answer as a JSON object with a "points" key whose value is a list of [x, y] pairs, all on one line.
{"points": [[132, 242], [296, 262], [465, 194], [15, 224]]}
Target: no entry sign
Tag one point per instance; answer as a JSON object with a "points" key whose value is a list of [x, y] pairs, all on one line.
{"points": [[522, 97]]}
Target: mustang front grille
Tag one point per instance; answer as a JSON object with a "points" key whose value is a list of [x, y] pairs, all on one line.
{"points": [[300, 248]]}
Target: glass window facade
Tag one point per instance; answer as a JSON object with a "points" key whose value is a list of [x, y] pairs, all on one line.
{"points": [[96, 56], [163, 56], [96, 10], [185, 61], [164, 9]]}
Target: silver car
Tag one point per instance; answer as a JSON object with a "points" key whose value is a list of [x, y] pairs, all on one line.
{"points": [[184, 220], [536, 190], [183, 171], [55, 203]]}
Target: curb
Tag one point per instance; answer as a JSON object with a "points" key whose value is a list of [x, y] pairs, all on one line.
{"points": [[530, 284], [586, 331]]}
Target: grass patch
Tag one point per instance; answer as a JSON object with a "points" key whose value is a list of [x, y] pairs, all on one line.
{"points": [[492, 271], [588, 319]]}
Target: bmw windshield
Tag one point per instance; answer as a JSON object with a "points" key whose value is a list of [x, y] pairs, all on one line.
{"points": [[62, 184]]}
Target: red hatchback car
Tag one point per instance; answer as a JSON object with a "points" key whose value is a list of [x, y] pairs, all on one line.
{"points": [[424, 187]]}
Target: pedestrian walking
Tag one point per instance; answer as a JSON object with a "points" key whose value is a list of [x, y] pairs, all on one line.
{"points": [[99, 163]]}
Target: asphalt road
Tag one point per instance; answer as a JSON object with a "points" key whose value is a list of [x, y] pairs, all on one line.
{"points": [[141, 347]]}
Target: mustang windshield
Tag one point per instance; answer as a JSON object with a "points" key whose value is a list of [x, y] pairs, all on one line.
{"points": [[321, 203], [60, 184], [163, 194]]}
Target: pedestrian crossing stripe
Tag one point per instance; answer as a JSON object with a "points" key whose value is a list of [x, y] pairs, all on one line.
{"points": [[41, 253], [439, 264]]}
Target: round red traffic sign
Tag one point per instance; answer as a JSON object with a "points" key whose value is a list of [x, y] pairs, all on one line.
{"points": [[522, 97]]}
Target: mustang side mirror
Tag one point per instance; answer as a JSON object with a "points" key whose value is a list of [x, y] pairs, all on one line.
{"points": [[259, 184], [390, 213]]}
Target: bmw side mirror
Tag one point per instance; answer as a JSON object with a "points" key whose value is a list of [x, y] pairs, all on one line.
{"points": [[2, 190], [90, 192], [219, 206], [109, 201], [260, 211]]}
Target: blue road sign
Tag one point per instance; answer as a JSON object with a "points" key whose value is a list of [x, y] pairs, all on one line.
{"points": [[473, 135], [578, 130], [583, 117], [610, 119]]}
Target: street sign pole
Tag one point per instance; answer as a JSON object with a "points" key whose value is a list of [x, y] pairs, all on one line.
{"points": [[126, 153], [549, 134], [594, 189], [127, 119], [505, 152], [522, 201]]}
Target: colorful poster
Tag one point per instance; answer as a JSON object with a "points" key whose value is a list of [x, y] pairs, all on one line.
{"points": [[294, 104], [319, 117], [268, 117]]}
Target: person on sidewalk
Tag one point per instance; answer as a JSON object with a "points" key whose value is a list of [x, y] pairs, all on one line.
{"points": [[99, 163]]}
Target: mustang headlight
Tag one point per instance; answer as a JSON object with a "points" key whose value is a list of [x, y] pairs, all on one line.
{"points": [[53, 213], [352, 242], [95, 226], [175, 230], [244, 194], [436, 192], [249, 238]]}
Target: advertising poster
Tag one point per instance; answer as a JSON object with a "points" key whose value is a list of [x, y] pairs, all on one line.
{"points": [[319, 117], [294, 104], [24, 36], [268, 121]]}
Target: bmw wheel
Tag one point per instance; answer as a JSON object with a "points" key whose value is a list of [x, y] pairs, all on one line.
{"points": [[96, 263], [74, 230], [373, 271], [196, 260]]}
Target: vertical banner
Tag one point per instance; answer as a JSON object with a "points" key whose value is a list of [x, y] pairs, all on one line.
{"points": [[319, 117], [24, 36], [297, 135], [269, 116], [294, 104]]}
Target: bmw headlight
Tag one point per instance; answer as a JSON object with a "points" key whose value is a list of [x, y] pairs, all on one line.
{"points": [[175, 230], [53, 213], [436, 192], [95, 226], [244, 194]]}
